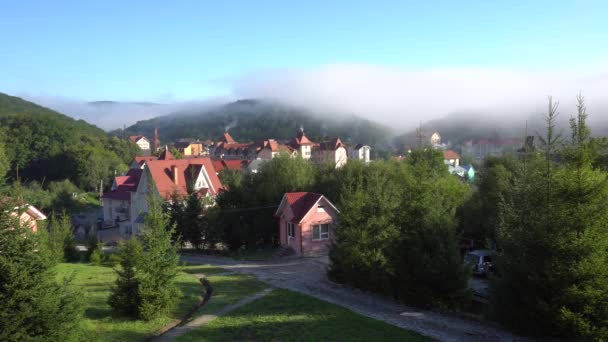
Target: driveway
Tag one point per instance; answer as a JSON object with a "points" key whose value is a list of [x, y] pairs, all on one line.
{"points": [[308, 276]]}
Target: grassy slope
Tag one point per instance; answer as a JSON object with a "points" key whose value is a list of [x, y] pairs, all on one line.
{"points": [[285, 315], [98, 325], [227, 288]]}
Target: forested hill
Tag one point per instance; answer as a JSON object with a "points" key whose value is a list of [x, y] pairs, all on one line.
{"points": [[251, 120], [43, 145]]}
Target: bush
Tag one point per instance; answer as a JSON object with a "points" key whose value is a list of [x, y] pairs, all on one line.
{"points": [[97, 256]]}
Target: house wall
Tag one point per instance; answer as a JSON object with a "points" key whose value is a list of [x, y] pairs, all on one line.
{"points": [[305, 151], [26, 220], [287, 216], [143, 144], [265, 154], [341, 156], [314, 217]]}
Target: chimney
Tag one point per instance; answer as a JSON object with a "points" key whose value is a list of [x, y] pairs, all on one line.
{"points": [[174, 171], [156, 139]]}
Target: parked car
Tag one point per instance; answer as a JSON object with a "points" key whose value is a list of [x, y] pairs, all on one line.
{"points": [[480, 261]]}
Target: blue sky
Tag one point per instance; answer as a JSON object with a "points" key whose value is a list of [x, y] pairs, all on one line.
{"points": [[179, 50]]}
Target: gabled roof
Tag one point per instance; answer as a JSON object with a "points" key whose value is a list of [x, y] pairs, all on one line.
{"points": [[275, 146], [161, 172], [142, 159], [124, 185], [449, 155], [301, 203], [227, 138], [136, 138], [331, 145], [302, 140], [231, 164]]}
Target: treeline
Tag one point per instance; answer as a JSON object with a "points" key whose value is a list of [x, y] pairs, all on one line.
{"points": [[40, 147], [545, 215]]}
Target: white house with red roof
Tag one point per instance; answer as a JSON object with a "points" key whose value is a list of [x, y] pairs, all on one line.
{"points": [[271, 148], [307, 223], [302, 144], [117, 201], [173, 177], [451, 158]]}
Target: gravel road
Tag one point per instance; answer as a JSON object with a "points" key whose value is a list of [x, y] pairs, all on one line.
{"points": [[308, 276]]}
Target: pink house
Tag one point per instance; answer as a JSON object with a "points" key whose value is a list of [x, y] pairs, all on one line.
{"points": [[307, 222]]}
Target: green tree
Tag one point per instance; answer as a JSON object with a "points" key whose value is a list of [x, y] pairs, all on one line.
{"points": [[61, 241], [125, 298], [34, 306], [158, 265], [554, 242]]}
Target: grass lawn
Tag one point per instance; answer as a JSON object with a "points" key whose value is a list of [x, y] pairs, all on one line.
{"points": [[227, 288], [98, 325], [284, 315], [258, 254]]}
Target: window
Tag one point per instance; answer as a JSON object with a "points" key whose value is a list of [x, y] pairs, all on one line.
{"points": [[320, 232], [290, 230], [320, 208]]}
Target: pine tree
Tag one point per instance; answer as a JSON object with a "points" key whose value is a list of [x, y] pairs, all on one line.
{"points": [[158, 264], [125, 298], [33, 305], [554, 241]]}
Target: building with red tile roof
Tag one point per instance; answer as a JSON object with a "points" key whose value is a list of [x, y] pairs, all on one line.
{"points": [[231, 164], [451, 158], [302, 144], [227, 148], [139, 161], [117, 202], [307, 222], [271, 148]]}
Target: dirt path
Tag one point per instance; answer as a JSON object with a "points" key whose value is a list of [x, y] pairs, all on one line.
{"points": [[308, 276], [204, 319]]}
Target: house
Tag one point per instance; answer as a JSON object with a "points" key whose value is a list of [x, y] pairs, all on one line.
{"points": [[451, 158], [271, 148], [191, 148], [307, 222], [141, 141], [435, 139], [167, 178], [231, 164], [28, 216], [302, 144], [359, 152], [332, 151], [117, 201], [227, 148], [255, 165], [140, 161]]}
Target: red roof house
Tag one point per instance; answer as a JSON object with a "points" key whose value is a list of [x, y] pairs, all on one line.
{"points": [[176, 176], [139, 161], [307, 222]]}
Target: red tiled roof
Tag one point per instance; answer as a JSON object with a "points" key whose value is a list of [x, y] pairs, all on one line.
{"points": [[124, 185], [449, 154], [227, 138], [231, 164], [301, 203], [166, 155], [301, 139], [141, 159], [162, 174]]}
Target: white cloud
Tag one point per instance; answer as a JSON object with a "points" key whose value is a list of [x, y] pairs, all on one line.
{"points": [[403, 97]]}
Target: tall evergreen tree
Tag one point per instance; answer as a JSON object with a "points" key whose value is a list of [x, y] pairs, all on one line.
{"points": [[34, 307], [158, 265], [554, 242]]}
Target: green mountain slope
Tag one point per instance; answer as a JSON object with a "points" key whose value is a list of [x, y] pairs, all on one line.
{"points": [[251, 120], [45, 145]]}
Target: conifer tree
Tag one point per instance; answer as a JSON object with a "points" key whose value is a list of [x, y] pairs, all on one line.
{"points": [[554, 241], [33, 306], [158, 264], [125, 298]]}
